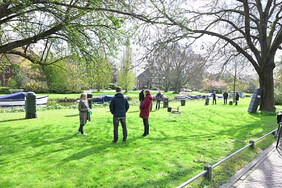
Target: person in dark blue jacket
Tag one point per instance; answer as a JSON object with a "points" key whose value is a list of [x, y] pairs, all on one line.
{"points": [[141, 96], [214, 97], [236, 98], [225, 96], [118, 107]]}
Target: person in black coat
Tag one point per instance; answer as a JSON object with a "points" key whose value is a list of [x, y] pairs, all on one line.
{"points": [[214, 97], [225, 96], [141, 96], [118, 107], [236, 98]]}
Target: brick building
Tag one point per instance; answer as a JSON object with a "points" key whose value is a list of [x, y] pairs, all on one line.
{"points": [[147, 79], [6, 74], [7, 67]]}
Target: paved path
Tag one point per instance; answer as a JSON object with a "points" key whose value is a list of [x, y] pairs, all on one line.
{"points": [[263, 172]]}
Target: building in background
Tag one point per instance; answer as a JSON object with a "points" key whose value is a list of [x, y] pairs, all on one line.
{"points": [[7, 69], [148, 79]]}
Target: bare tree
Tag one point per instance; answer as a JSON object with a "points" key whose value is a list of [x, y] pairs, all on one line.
{"points": [[175, 65], [251, 27]]}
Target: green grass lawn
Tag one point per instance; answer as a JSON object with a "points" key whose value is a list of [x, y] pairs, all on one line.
{"points": [[47, 152]]}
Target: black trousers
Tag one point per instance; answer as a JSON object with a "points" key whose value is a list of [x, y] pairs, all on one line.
{"points": [[116, 121], [81, 129], [214, 101], [146, 126], [225, 100]]}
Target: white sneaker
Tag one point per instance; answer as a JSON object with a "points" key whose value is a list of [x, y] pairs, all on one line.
{"points": [[84, 134], [78, 132]]}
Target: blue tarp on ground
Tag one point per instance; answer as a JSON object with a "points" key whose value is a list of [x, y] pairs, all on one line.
{"points": [[19, 95], [196, 96], [105, 98]]}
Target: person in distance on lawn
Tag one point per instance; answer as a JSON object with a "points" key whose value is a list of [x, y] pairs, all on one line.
{"points": [[118, 107], [84, 114], [159, 97], [141, 96], [145, 111], [236, 98], [225, 96], [214, 97]]}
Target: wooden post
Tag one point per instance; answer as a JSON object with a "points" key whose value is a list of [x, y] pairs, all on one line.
{"points": [[209, 174]]}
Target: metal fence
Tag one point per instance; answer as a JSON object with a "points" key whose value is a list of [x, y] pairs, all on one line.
{"points": [[208, 168]]}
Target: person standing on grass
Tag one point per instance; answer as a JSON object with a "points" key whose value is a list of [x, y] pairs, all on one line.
{"points": [[225, 96], [214, 97], [159, 97], [141, 96], [84, 114], [236, 98], [145, 111], [118, 107]]}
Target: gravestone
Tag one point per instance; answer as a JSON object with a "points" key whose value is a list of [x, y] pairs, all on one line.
{"points": [[89, 95], [255, 101], [207, 99], [165, 103], [30, 105]]}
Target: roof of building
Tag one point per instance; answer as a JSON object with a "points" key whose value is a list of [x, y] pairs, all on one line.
{"points": [[141, 76]]}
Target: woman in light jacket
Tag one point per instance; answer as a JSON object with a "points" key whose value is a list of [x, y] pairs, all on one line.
{"points": [[84, 114], [145, 111]]}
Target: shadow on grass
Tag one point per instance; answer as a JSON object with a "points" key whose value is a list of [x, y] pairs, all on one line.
{"points": [[177, 173], [98, 149], [73, 115], [172, 120], [133, 111], [237, 134], [10, 120]]}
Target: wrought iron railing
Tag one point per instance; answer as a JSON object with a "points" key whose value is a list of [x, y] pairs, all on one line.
{"points": [[208, 168]]}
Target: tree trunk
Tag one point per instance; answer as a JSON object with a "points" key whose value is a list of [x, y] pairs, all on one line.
{"points": [[166, 89], [3, 79], [267, 85], [176, 90]]}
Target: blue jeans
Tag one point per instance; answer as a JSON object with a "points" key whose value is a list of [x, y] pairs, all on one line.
{"points": [[158, 105]]}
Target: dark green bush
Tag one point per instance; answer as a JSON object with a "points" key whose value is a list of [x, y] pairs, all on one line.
{"points": [[112, 86]]}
